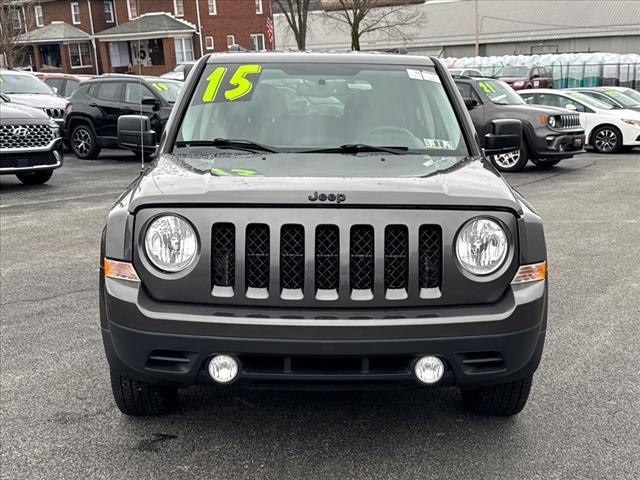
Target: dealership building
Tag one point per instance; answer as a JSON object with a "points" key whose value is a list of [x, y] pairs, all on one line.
{"points": [[447, 28]]}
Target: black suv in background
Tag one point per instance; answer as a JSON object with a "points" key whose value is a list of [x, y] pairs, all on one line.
{"points": [[549, 134], [91, 118]]}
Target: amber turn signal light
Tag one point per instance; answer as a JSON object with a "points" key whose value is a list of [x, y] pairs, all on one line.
{"points": [[120, 270], [531, 273]]}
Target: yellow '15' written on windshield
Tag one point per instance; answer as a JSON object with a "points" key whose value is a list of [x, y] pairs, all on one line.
{"points": [[241, 81]]}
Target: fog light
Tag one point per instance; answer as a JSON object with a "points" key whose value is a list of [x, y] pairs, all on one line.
{"points": [[429, 369], [223, 368]]}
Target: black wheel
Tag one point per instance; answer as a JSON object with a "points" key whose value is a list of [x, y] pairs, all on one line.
{"points": [[35, 178], [545, 163], [511, 161], [142, 399], [606, 139], [500, 400], [83, 142]]}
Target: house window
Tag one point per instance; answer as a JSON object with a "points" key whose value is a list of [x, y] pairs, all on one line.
{"points": [[37, 10], [16, 18], [108, 11], [80, 55], [208, 41], [213, 8], [257, 41], [178, 8], [184, 50], [259, 7], [75, 13], [231, 40], [132, 9]]}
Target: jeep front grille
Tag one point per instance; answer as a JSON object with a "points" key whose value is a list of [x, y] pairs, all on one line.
{"points": [[315, 256], [25, 136], [570, 121], [56, 113]]}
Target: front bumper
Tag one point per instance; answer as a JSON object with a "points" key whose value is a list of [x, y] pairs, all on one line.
{"points": [[171, 343], [30, 160], [556, 146]]}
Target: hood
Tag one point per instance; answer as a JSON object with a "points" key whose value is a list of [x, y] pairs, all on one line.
{"points": [[290, 179], [538, 109], [12, 111], [38, 100]]}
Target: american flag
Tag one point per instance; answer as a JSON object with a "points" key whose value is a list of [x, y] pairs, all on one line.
{"points": [[270, 29]]}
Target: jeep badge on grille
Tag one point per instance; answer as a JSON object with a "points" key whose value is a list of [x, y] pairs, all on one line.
{"points": [[328, 197]]}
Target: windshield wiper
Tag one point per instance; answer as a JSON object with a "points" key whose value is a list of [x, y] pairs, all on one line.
{"points": [[359, 148], [236, 144]]}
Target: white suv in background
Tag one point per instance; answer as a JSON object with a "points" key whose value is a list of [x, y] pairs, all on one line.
{"points": [[607, 129]]}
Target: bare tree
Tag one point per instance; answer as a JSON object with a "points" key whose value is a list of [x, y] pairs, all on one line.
{"points": [[296, 12], [13, 24], [368, 16]]}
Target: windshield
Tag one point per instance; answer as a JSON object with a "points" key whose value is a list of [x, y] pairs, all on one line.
{"points": [[10, 83], [167, 89], [633, 94], [513, 72], [590, 101], [311, 108], [500, 93], [621, 98]]}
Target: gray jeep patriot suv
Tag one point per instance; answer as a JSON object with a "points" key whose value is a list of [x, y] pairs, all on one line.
{"points": [[321, 221]]}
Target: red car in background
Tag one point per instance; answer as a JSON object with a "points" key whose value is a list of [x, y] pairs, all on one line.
{"points": [[63, 83], [524, 76]]}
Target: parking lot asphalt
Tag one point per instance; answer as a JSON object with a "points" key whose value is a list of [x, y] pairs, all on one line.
{"points": [[58, 419]]}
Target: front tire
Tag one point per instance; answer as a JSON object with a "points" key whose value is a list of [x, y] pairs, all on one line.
{"points": [[142, 399], [83, 143], [35, 178], [511, 161], [502, 400], [606, 139]]}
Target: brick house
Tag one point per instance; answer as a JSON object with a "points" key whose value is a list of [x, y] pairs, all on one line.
{"points": [[147, 36]]}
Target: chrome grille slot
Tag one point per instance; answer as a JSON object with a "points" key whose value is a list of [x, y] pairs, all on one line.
{"points": [[429, 259], [292, 262], [361, 262], [223, 259], [18, 137], [396, 261], [257, 260], [327, 262]]}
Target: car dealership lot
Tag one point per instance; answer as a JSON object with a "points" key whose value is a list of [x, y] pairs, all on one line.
{"points": [[59, 419]]}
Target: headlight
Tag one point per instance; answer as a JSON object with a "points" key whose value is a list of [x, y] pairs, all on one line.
{"points": [[55, 128], [635, 123], [518, 84], [552, 121], [171, 243], [482, 246]]}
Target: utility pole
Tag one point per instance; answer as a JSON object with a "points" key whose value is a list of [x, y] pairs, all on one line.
{"points": [[477, 17]]}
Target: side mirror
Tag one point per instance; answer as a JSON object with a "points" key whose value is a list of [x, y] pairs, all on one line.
{"points": [[55, 90], [570, 106], [506, 136], [134, 132], [470, 103], [5, 98]]}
